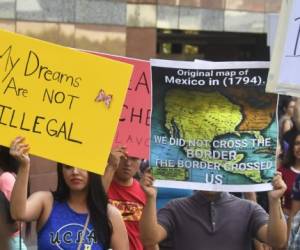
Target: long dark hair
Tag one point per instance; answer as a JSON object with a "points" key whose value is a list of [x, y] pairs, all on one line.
{"points": [[284, 103], [7, 162], [290, 159], [97, 202]]}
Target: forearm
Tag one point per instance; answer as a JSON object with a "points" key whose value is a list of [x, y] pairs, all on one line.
{"points": [[148, 223], [107, 177], [277, 226], [19, 194]]}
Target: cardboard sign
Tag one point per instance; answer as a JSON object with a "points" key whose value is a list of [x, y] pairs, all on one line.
{"points": [[134, 124], [65, 102]]}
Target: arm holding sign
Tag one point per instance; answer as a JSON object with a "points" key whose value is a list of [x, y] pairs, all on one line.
{"points": [[74, 191], [251, 196], [119, 238], [39, 203], [274, 233], [113, 163], [151, 232]]}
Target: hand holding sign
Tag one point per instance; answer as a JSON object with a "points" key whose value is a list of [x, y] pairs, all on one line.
{"points": [[19, 150], [116, 156], [147, 184]]}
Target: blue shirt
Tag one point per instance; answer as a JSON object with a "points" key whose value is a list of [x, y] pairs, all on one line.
{"points": [[63, 230]]}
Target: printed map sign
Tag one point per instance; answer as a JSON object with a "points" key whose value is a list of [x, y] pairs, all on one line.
{"points": [[213, 127], [134, 124], [65, 102]]}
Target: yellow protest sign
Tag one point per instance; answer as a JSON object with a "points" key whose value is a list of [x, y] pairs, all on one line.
{"points": [[65, 102]]}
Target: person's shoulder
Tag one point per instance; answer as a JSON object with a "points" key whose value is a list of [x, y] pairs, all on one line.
{"points": [[179, 203], [135, 182], [5, 176], [44, 196], [242, 202], [253, 207], [284, 118], [136, 185], [112, 211], [282, 168], [7, 181]]}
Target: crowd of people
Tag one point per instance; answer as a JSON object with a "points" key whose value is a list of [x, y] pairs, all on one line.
{"points": [[122, 210]]}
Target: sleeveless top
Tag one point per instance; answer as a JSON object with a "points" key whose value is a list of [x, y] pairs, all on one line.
{"points": [[64, 228]]}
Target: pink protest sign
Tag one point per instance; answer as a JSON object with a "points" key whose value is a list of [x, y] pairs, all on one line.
{"points": [[134, 124]]}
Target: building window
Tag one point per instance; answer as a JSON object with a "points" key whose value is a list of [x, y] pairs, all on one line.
{"points": [[216, 46]]}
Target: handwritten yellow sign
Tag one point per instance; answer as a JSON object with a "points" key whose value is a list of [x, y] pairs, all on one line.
{"points": [[65, 102]]}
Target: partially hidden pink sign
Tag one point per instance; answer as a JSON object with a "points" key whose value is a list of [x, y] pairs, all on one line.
{"points": [[134, 124]]}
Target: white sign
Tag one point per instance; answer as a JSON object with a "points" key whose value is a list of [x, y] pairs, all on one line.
{"points": [[290, 64]]}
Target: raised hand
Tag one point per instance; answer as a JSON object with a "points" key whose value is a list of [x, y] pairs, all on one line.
{"points": [[147, 184], [19, 150], [279, 187], [115, 157]]}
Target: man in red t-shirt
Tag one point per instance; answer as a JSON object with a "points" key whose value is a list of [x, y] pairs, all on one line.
{"points": [[125, 192]]}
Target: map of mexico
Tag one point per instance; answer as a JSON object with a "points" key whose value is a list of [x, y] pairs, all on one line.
{"points": [[213, 135]]}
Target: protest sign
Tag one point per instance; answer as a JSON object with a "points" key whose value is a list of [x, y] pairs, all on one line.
{"points": [[213, 127], [134, 124], [65, 102], [290, 64], [272, 23], [283, 75]]}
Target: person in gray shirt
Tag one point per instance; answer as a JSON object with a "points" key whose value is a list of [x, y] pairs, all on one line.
{"points": [[213, 220]]}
